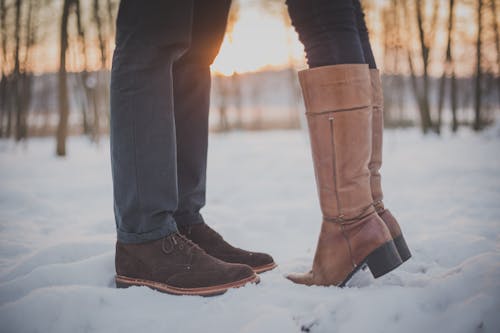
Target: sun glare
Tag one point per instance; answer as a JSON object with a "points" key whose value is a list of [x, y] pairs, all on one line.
{"points": [[259, 41]]}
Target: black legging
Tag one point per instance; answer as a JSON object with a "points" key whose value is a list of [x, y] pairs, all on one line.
{"points": [[332, 31]]}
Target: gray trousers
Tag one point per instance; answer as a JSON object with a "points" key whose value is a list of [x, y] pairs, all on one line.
{"points": [[160, 96]]}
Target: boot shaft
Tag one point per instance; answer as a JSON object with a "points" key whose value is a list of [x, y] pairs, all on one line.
{"points": [[338, 104], [338, 100], [377, 138]]}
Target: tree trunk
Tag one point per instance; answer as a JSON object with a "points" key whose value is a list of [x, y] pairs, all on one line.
{"points": [[3, 104], [100, 95], [84, 74], [454, 102], [62, 128], [421, 93], [111, 20], [424, 104], [477, 91], [497, 41], [448, 66], [100, 37], [3, 70], [26, 78], [16, 84]]}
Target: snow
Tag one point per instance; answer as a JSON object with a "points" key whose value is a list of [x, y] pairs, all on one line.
{"points": [[57, 240]]}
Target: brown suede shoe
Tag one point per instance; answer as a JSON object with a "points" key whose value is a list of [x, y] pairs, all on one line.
{"points": [[177, 266], [213, 243]]}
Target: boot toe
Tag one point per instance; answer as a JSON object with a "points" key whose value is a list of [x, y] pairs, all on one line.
{"points": [[301, 278]]}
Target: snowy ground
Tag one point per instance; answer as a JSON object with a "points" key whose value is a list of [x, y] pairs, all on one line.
{"points": [[57, 238]]}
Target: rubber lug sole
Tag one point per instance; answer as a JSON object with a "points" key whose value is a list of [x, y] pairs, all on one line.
{"points": [[125, 282], [264, 268]]}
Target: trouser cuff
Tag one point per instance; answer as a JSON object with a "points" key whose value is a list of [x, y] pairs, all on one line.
{"points": [[166, 229]]}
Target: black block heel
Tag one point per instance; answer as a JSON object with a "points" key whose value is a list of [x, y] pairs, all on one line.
{"points": [[404, 251], [384, 259]]}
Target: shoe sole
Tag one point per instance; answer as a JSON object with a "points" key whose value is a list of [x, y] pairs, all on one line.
{"points": [[264, 268], [380, 261], [125, 282]]}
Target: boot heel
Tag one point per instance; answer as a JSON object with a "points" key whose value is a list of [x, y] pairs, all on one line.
{"points": [[404, 251], [384, 259]]}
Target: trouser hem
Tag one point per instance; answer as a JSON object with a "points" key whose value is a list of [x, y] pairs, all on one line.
{"points": [[168, 228]]}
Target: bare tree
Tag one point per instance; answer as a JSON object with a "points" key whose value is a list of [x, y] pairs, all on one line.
{"points": [[393, 51], [421, 93], [84, 74], [3, 69], [17, 68], [98, 94], [448, 70], [111, 21], [62, 128], [477, 89], [425, 42], [497, 41], [26, 78]]}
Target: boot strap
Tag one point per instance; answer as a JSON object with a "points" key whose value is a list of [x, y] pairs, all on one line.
{"points": [[345, 221]]}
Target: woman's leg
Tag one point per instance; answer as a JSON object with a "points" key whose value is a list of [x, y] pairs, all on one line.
{"points": [[143, 148], [338, 96], [328, 29], [363, 35]]}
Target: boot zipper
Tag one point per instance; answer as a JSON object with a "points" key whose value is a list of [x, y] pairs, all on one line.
{"points": [[337, 192], [334, 165]]}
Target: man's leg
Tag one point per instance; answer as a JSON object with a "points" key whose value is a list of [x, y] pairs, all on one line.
{"points": [[192, 102], [143, 144], [150, 37]]}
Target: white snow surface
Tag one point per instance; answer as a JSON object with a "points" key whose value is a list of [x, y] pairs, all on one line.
{"points": [[57, 240]]}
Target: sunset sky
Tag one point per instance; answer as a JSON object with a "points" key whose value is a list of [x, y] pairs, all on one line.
{"points": [[260, 40]]}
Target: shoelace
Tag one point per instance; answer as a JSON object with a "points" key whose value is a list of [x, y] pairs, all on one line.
{"points": [[179, 243]]}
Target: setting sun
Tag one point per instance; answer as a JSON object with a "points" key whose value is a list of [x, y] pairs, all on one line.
{"points": [[259, 41]]}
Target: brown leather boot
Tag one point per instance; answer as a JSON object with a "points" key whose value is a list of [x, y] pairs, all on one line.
{"points": [[213, 243], [376, 163], [338, 104], [177, 266]]}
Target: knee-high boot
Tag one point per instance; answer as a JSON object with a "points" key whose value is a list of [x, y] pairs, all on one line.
{"points": [[338, 108]]}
